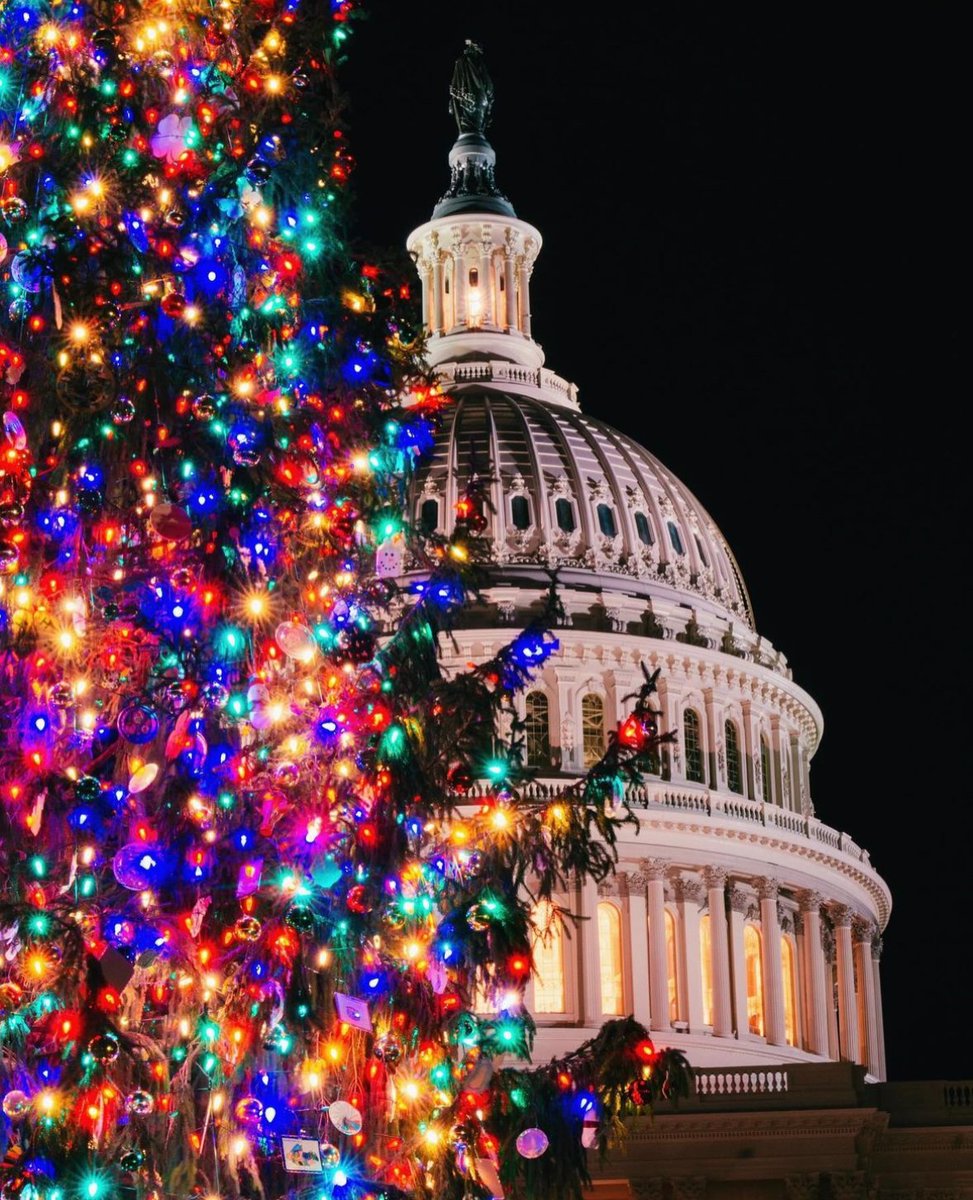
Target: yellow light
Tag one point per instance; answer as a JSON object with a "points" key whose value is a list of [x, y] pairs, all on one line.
{"points": [[47, 1101], [79, 333]]}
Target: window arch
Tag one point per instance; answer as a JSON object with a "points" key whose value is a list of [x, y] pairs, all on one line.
{"points": [[790, 989], [429, 516], [592, 729], [606, 520], [610, 959], [675, 537], [765, 770], [644, 529], [550, 992], [564, 512], [693, 746], [734, 765], [671, 966], [706, 967], [753, 959], [520, 512], [537, 730]]}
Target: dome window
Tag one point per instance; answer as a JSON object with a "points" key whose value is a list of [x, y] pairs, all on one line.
{"points": [[676, 538], [537, 730], [692, 746], [643, 529], [564, 511], [606, 520], [429, 517], [520, 512], [734, 772], [702, 552], [592, 729], [474, 277]]}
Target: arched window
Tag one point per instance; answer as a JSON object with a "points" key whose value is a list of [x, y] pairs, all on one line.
{"points": [[706, 967], [734, 772], [676, 538], [692, 745], [564, 511], [537, 730], [643, 529], [474, 277], [606, 520], [671, 966], [765, 771], [429, 516], [548, 956], [520, 512], [592, 729], [610, 959], [755, 986], [790, 989]]}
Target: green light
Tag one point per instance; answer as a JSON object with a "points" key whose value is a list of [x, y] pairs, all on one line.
{"points": [[238, 705], [39, 924], [225, 800], [440, 1075], [519, 1097], [38, 867], [209, 1063], [209, 1031]]}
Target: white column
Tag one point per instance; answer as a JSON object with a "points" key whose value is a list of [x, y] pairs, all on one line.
{"points": [[689, 894], [654, 870], [877, 984], [460, 279], [523, 279], [862, 932], [816, 971], [638, 942], [847, 1004], [775, 1029], [797, 800], [739, 903], [509, 286], [589, 968], [436, 317], [485, 283], [719, 936]]}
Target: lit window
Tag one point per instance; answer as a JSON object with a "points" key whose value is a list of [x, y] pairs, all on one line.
{"points": [[671, 966], [564, 511], [520, 512], [790, 990], [592, 729], [734, 774], [610, 959], [706, 967], [755, 986], [693, 746], [429, 516], [537, 730], [606, 520], [474, 277], [765, 771], [675, 538], [643, 529], [548, 956]]}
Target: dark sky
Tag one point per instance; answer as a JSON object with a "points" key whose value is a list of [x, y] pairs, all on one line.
{"points": [[750, 229]]}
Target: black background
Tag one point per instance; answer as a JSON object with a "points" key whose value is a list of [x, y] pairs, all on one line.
{"points": [[750, 227]]}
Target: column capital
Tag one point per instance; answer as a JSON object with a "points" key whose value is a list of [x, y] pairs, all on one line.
{"points": [[809, 900], [877, 946], [715, 877], [655, 868], [688, 888], [767, 887], [840, 914], [636, 883], [740, 900], [862, 930]]}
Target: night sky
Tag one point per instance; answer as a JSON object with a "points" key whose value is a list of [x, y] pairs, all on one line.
{"points": [[750, 224]]}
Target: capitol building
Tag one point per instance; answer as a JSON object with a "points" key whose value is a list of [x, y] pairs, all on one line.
{"points": [[739, 927]]}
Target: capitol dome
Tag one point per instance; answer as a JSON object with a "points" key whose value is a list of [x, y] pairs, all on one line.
{"points": [[738, 927]]}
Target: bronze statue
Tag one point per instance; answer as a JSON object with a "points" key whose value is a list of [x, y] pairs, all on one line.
{"points": [[471, 91]]}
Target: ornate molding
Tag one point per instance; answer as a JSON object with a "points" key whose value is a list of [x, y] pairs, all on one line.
{"points": [[689, 889], [715, 877], [841, 915], [655, 868], [767, 887]]}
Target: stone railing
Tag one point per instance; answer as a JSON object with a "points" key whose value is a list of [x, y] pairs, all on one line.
{"points": [[498, 371], [657, 795], [739, 1083]]}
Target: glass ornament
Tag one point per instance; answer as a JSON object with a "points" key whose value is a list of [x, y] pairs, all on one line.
{"points": [[26, 271], [16, 1105], [14, 210], [104, 1048], [138, 723], [205, 407], [330, 1155], [299, 917], [138, 867], [11, 514], [345, 1117], [248, 1110], [532, 1143], [215, 695], [131, 1160], [87, 789], [358, 900], [477, 918], [388, 1049], [296, 640], [171, 522], [14, 432], [11, 994], [123, 411], [61, 695], [247, 929], [19, 309], [139, 1103]]}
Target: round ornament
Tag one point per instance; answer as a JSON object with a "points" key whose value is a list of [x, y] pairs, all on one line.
{"points": [[26, 271], [138, 867], [104, 1048], [131, 1160], [138, 723], [16, 1105], [345, 1117], [330, 1155], [204, 407], [14, 210], [532, 1143], [248, 1110], [299, 917], [388, 1049], [247, 929], [123, 411], [477, 918], [139, 1103], [61, 695], [296, 640], [171, 522]]}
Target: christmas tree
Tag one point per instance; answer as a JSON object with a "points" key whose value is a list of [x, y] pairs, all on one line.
{"points": [[257, 938]]}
